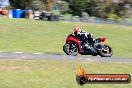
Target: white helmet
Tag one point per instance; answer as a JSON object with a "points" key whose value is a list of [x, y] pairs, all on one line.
{"points": [[77, 30]]}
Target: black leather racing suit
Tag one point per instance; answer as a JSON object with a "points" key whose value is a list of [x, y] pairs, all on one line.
{"points": [[86, 38]]}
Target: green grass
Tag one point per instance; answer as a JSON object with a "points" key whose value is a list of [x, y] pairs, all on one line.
{"points": [[48, 37], [55, 74]]}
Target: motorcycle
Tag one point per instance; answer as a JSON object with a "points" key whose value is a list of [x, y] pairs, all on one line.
{"points": [[74, 46]]}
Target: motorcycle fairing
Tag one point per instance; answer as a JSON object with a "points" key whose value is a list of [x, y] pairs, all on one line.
{"points": [[75, 40]]}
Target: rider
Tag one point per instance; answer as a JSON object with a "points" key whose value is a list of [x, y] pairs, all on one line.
{"points": [[86, 38]]}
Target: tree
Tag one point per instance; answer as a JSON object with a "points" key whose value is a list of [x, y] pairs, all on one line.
{"points": [[92, 8], [34, 4], [100, 8], [64, 7], [19, 4], [37, 5], [79, 6], [49, 4]]}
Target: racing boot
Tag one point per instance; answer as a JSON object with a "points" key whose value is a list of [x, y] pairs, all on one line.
{"points": [[87, 46], [90, 47], [93, 50]]}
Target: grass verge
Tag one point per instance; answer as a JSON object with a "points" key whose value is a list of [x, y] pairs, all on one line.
{"points": [[55, 74], [48, 37]]}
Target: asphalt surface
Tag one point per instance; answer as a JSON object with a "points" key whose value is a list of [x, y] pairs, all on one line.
{"points": [[39, 56]]}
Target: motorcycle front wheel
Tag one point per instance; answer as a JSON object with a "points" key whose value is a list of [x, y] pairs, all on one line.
{"points": [[105, 51], [70, 49]]}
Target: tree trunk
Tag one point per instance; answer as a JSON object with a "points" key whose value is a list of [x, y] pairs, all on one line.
{"points": [[48, 4]]}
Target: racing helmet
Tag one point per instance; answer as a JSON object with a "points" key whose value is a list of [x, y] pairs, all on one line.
{"points": [[77, 30]]}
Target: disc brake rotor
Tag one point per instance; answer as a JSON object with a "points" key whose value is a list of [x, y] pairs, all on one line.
{"points": [[73, 49]]}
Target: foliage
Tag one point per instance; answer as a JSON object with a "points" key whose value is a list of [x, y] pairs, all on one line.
{"points": [[49, 4], [33, 4], [64, 7], [114, 16], [98, 8], [78, 6], [37, 5], [19, 4]]}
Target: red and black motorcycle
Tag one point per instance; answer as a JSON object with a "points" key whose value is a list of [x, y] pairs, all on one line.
{"points": [[74, 46]]}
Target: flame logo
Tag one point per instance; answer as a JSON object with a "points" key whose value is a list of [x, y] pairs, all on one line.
{"points": [[81, 71]]}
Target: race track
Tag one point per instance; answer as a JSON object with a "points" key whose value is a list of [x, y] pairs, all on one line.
{"points": [[37, 56]]}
